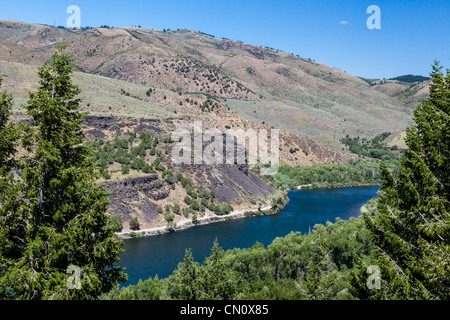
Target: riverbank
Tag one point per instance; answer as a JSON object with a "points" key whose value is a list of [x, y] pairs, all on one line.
{"points": [[237, 214], [188, 223], [333, 186], [146, 257]]}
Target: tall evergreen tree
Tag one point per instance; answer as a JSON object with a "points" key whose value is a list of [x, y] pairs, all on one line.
{"points": [[411, 228], [10, 233], [321, 272], [216, 278], [8, 133], [184, 283], [62, 210]]}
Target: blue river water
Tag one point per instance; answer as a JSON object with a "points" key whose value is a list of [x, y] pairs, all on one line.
{"points": [[159, 255]]}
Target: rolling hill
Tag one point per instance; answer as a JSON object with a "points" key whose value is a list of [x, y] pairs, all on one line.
{"points": [[260, 84]]}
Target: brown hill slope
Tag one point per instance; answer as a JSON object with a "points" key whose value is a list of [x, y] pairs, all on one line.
{"points": [[261, 84], [108, 98]]}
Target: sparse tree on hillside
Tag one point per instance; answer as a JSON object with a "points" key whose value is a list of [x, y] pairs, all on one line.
{"points": [[134, 224]]}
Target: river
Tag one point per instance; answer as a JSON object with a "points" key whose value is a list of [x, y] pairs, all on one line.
{"points": [[160, 255]]}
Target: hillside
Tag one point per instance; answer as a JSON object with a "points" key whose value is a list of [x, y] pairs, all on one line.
{"points": [[137, 84], [120, 110], [409, 94], [260, 84]]}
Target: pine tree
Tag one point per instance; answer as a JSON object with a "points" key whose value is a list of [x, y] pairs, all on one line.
{"points": [[62, 209], [11, 232], [216, 278], [411, 228], [321, 273], [184, 283], [8, 133]]}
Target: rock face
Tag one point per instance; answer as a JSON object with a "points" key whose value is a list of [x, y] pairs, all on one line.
{"points": [[137, 196], [127, 190], [230, 183], [141, 196], [101, 125], [134, 195]]}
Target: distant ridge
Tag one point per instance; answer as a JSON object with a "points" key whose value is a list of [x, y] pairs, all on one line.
{"points": [[411, 78]]}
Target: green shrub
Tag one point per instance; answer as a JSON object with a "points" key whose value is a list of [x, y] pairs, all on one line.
{"points": [[169, 217], [147, 168], [194, 205], [106, 175], [134, 224], [125, 169], [176, 208]]}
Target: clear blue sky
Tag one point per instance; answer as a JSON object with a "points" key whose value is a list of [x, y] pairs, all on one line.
{"points": [[413, 33]]}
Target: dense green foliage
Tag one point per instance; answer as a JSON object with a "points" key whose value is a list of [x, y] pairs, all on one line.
{"points": [[320, 265], [9, 190], [411, 226], [355, 172], [373, 148], [53, 214], [127, 152], [115, 223], [327, 175], [8, 134]]}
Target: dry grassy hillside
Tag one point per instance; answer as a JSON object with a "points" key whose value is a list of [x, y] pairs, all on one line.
{"points": [[261, 84], [106, 97]]}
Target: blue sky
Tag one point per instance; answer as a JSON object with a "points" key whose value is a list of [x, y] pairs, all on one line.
{"points": [[413, 33]]}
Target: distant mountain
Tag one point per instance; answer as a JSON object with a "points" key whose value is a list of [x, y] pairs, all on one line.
{"points": [[411, 78]]}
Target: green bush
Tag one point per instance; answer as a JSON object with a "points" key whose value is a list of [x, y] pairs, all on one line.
{"points": [[106, 175], [169, 217], [125, 169], [223, 209], [176, 208], [147, 168], [194, 205], [134, 224]]}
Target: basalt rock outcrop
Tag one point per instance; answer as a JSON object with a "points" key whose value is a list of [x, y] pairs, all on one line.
{"points": [[137, 196]]}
